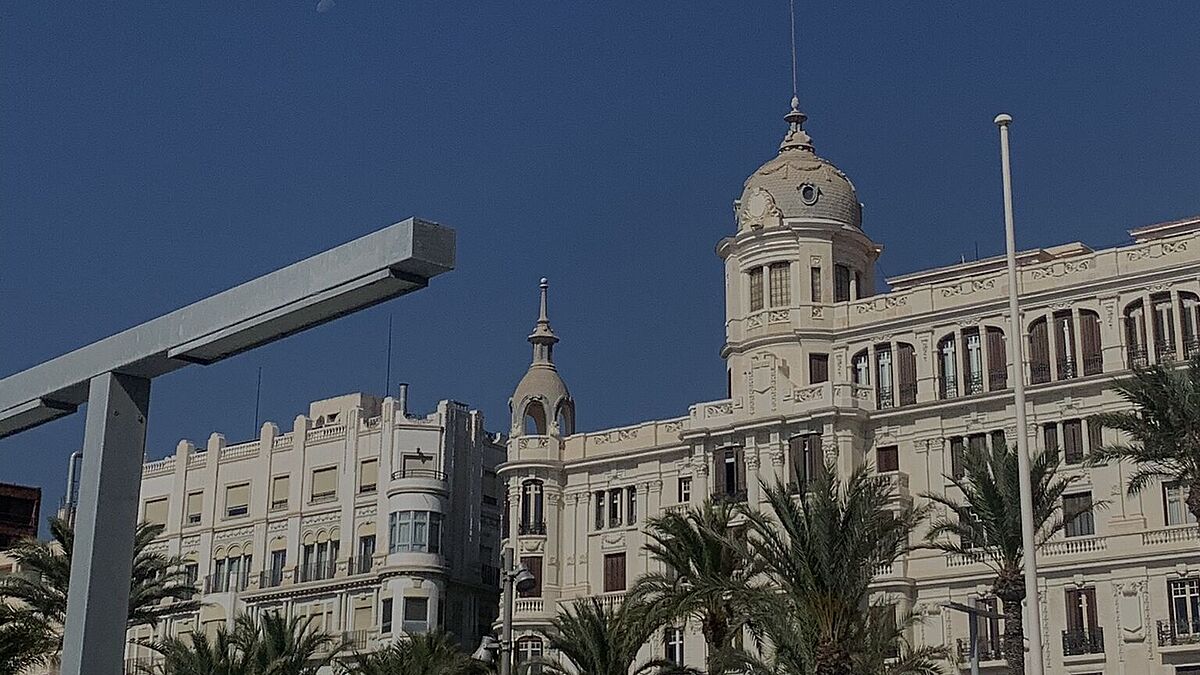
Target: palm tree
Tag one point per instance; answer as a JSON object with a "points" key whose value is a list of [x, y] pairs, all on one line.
{"points": [[428, 654], [42, 595], [268, 645], [986, 525], [822, 550], [602, 639], [707, 579], [1164, 427], [24, 641]]}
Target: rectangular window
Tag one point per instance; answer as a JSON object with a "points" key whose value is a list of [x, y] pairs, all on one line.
{"points": [[841, 283], [598, 497], [631, 510], [1185, 605], [237, 500], [957, 450], [1077, 511], [279, 492], [534, 565], [1081, 611], [324, 484], [614, 572], [278, 562], [730, 473], [673, 645], [781, 294], [815, 282], [155, 511], [191, 574], [818, 368], [385, 616], [368, 475], [1095, 433], [1072, 432], [193, 508], [887, 458], [756, 289], [685, 489], [1050, 436], [614, 507], [1175, 505], [416, 616]]}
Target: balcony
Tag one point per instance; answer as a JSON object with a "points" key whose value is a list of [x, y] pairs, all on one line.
{"points": [[1039, 372], [1081, 642], [418, 480], [1066, 369], [356, 640], [988, 650], [224, 583], [362, 565], [315, 571], [974, 384], [731, 497], [270, 578], [1179, 633], [884, 399], [1138, 358], [532, 529], [1164, 351], [947, 387], [1191, 347]]}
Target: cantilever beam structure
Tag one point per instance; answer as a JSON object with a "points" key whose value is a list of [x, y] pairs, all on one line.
{"points": [[113, 376]]}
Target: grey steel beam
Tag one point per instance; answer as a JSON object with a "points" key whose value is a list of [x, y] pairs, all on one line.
{"points": [[382, 265], [114, 443]]}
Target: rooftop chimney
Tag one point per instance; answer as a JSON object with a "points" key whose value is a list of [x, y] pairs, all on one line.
{"points": [[402, 400]]}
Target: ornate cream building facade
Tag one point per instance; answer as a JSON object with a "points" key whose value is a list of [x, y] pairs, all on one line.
{"points": [[378, 522], [822, 367]]}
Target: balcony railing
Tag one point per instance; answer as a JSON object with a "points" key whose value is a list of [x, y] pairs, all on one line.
{"points": [[1066, 369], [270, 578], [323, 498], [1178, 633], [362, 565], [532, 528], [947, 387], [1078, 642], [356, 640], [730, 497], [998, 379], [1039, 372], [1191, 347], [883, 398], [988, 650], [315, 571], [1093, 364], [1165, 351], [974, 384], [432, 474], [224, 583], [1138, 357], [908, 394]]}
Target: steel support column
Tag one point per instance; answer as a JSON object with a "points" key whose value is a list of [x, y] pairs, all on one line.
{"points": [[114, 442]]}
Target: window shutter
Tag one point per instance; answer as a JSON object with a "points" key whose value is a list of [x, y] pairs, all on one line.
{"points": [[906, 373], [324, 481], [279, 490], [887, 458], [818, 368], [362, 616], [614, 572], [1074, 612], [1089, 328], [796, 459], [740, 463], [237, 496], [997, 359], [195, 504], [1039, 352], [1089, 596], [1050, 436], [1095, 433], [369, 474], [956, 457], [534, 565], [155, 511], [1073, 441], [719, 472]]}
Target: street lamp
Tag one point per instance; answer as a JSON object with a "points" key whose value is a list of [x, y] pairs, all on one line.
{"points": [[511, 577], [973, 613]]}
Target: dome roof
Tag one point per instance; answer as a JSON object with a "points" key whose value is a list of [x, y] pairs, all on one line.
{"points": [[797, 183]]}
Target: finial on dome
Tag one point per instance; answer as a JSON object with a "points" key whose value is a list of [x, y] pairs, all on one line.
{"points": [[543, 317], [797, 138]]}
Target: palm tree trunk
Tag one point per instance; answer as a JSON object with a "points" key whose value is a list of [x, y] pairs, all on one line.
{"points": [[832, 659], [716, 638], [1014, 633]]}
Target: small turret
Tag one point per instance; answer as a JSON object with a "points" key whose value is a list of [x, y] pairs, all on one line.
{"points": [[541, 404]]}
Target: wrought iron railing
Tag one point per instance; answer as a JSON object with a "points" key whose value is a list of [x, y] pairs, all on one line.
{"points": [[538, 528], [730, 497], [224, 583], [1039, 372], [1138, 357], [270, 578], [1176, 633], [974, 384], [433, 474], [1191, 347], [883, 398], [1086, 641], [1165, 351], [1093, 364], [315, 571], [356, 640], [947, 387], [988, 650], [1066, 369], [362, 565]]}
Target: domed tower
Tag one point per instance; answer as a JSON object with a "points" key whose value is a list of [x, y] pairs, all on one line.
{"points": [[799, 250], [541, 404]]}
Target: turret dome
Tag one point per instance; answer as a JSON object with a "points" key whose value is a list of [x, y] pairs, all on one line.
{"points": [[797, 184]]}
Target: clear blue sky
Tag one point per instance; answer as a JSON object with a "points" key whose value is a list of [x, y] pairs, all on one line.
{"points": [[153, 155]]}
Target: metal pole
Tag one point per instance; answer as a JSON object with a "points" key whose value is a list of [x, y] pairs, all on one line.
{"points": [[974, 644], [114, 439], [506, 610], [1032, 614]]}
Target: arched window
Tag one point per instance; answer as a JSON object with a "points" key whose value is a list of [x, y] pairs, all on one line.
{"points": [[529, 649], [884, 377], [565, 418], [972, 361], [1163, 320], [1091, 356], [532, 514], [1189, 320], [860, 372], [947, 358], [535, 418], [1135, 335], [997, 353], [1066, 361], [1039, 352]]}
